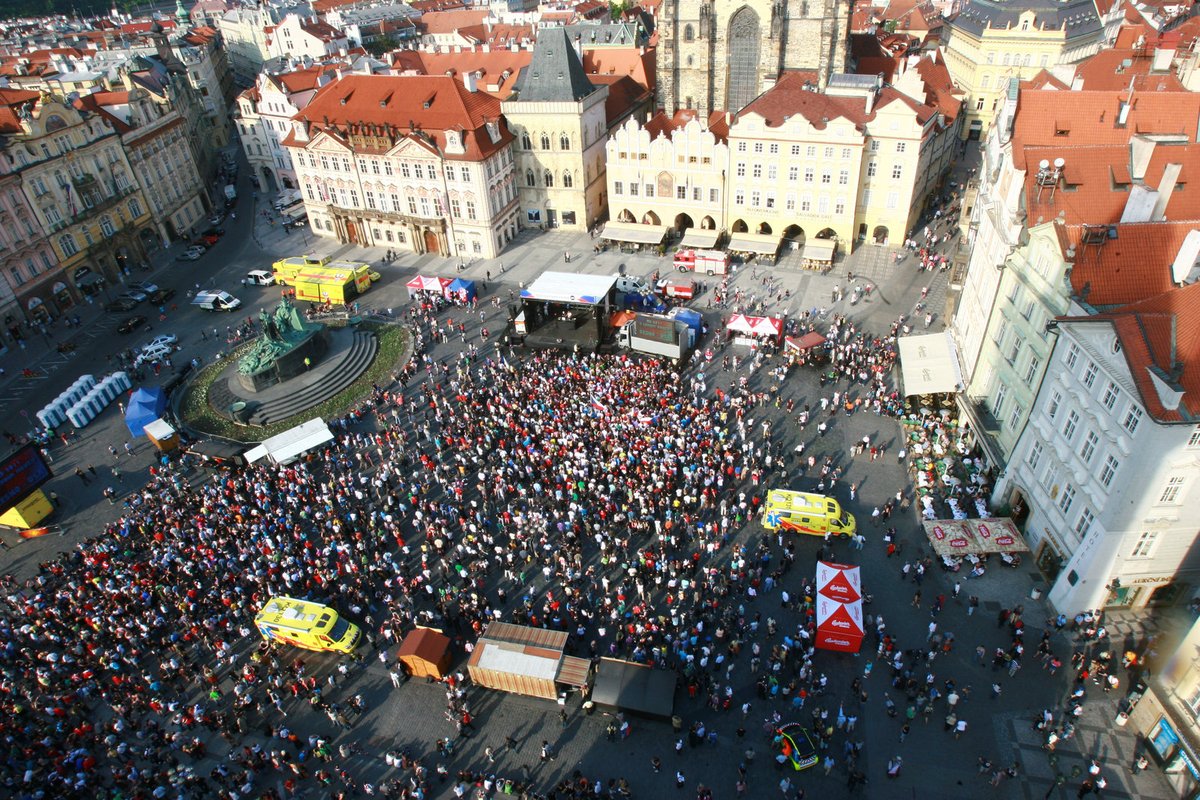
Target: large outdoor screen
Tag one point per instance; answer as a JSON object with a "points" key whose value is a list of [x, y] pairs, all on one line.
{"points": [[20, 475]]}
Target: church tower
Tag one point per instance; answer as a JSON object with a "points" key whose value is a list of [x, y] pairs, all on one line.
{"points": [[721, 54]]}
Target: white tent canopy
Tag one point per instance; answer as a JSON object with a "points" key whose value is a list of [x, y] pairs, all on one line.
{"points": [[702, 238], [292, 443], [765, 244], [929, 364], [632, 232], [568, 287]]}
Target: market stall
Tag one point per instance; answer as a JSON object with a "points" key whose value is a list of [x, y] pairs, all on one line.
{"points": [[145, 406], [421, 284], [818, 254], [462, 290], [425, 653], [635, 688], [754, 331], [997, 535], [162, 435], [950, 538], [839, 607]]}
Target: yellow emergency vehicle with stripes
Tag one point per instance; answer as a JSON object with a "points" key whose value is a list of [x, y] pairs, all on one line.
{"points": [[304, 623], [805, 512]]}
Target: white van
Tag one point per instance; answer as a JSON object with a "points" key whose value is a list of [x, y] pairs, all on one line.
{"points": [[216, 301], [259, 277], [628, 284]]}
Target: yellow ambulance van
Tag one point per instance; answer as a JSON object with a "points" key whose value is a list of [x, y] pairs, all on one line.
{"points": [[306, 624], [804, 512]]}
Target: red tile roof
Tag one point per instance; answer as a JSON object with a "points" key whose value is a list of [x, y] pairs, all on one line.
{"points": [[1097, 184], [1161, 335], [303, 79], [10, 101], [451, 21], [636, 62], [1113, 70], [492, 64], [425, 104], [1133, 266], [791, 95], [661, 123], [624, 96], [92, 103], [1055, 118], [940, 91]]}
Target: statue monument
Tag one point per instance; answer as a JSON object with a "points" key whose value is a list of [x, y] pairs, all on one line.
{"points": [[286, 347]]}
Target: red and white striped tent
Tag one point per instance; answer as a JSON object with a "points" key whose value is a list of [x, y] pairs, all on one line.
{"points": [[839, 607]]}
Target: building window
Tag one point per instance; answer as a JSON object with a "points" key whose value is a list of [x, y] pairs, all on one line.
{"points": [[826, 178], [1031, 370], [1070, 425], [1014, 350], [901, 147], [758, 147], [741, 145], [545, 141], [741, 170], [1193, 440], [844, 177], [568, 182], [1089, 447], [525, 143], [633, 189], [795, 150], [1111, 394], [530, 181], [1170, 492], [1089, 374], [793, 174], [106, 227], [712, 195], [871, 167], [67, 244], [470, 209], [1014, 419], [774, 149], [1072, 356], [897, 171], [1067, 498], [1052, 406], [1035, 456], [755, 199], [1109, 472], [1144, 545], [618, 186], [1132, 418], [455, 209], [739, 197], [828, 152], [808, 174], [998, 402], [135, 208], [756, 171], [681, 193], [697, 193], [1084, 523]]}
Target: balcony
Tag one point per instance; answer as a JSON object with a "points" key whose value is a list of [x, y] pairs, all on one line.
{"points": [[84, 180]]}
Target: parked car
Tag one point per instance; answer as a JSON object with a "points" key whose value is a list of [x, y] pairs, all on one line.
{"points": [[192, 253], [207, 240], [216, 219], [131, 324], [215, 230], [162, 340], [133, 295], [157, 353], [121, 304], [145, 287], [160, 296]]}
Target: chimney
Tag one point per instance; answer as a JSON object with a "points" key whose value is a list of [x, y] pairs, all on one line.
{"points": [[470, 81]]}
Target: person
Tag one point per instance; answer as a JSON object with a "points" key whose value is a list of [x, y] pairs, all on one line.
{"points": [[680, 780], [1140, 763], [893, 767]]}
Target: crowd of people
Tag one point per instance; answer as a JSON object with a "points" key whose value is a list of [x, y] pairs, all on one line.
{"points": [[607, 496]]}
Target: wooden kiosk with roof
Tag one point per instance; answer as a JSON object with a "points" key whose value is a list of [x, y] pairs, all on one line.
{"points": [[528, 661]]}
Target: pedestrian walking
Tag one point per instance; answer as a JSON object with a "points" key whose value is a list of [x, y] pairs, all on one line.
{"points": [[679, 779], [547, 752]]}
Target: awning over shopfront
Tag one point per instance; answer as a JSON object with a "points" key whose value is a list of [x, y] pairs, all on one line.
{"points": [[929, 364], [633, 233], [819, 249], [762, 243], [700, 238]]}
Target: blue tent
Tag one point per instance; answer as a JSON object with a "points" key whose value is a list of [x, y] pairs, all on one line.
{"points": [[145, 406], [463, 288]]}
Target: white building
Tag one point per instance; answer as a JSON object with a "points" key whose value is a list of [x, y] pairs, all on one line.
{"points": [[298, 37], [415, 163], [1109, 464]]}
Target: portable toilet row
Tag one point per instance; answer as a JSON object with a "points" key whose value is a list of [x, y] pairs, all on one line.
{"points": [[98, 398], [55, 412]]}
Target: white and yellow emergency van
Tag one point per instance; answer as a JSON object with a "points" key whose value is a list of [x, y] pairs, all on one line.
{"points": [[304, 623], [805, 512]]}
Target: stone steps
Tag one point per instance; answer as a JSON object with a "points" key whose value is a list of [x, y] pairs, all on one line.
{"points": [[353, 364]]}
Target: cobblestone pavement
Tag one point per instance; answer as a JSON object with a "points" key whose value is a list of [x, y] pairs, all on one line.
{"points": [[936, 764]]}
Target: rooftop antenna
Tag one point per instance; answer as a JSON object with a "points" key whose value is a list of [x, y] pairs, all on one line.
{"points": [[1048, 176]]}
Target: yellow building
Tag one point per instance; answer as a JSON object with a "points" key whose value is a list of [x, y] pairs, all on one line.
{"points": [[558, 118], [670, 171], [80, 186], [987, 43]]}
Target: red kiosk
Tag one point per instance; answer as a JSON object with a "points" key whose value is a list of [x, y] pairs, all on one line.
{"points": [[839, 607]]}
